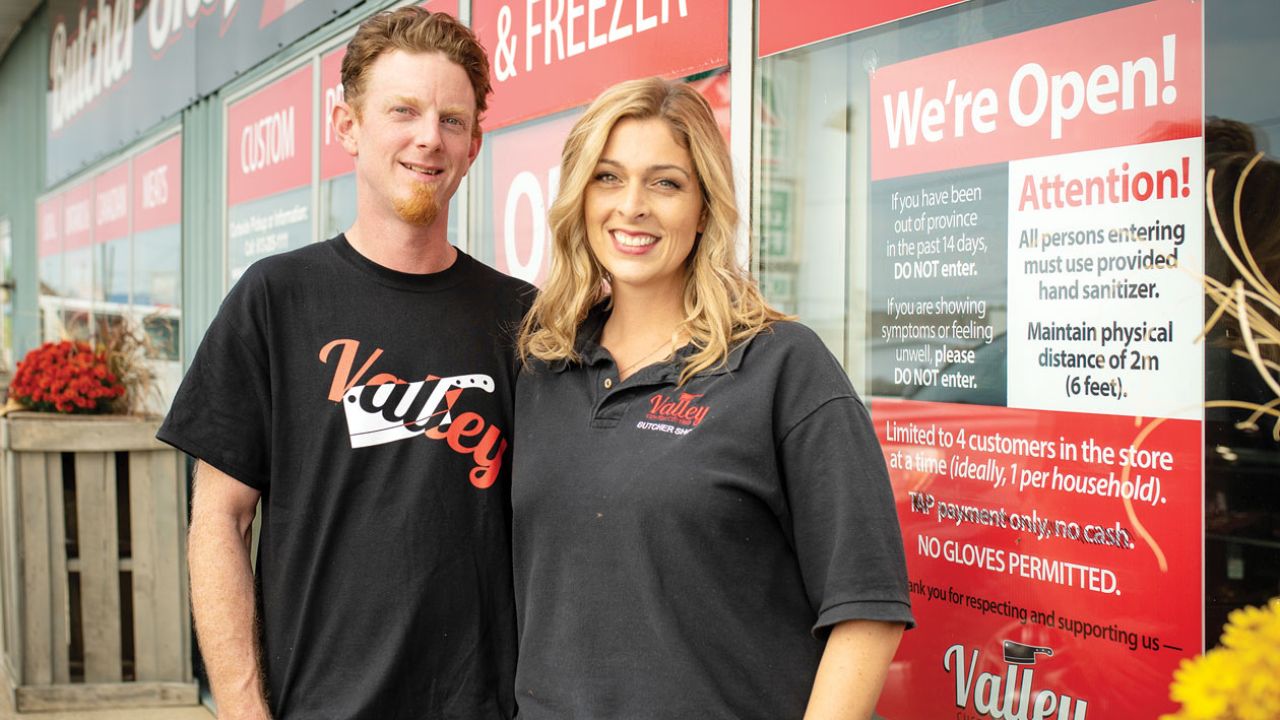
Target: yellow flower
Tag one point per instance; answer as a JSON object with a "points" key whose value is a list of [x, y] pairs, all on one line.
{"points": [[1239, 680]]}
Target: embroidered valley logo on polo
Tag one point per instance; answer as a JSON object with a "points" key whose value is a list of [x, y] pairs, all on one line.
{"points": [[682, 410], [674, 412]]}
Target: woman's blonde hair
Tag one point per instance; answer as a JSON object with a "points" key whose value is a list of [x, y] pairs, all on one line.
{"points": [[722, 305]]}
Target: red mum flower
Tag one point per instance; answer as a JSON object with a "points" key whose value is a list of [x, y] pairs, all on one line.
{"points": [[67, 377]]}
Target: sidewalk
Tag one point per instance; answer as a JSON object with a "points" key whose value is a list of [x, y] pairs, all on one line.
{"points": [[198, 712], [185, 712]]}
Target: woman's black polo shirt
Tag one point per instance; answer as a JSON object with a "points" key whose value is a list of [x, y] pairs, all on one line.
{"points": [[679, 551]]}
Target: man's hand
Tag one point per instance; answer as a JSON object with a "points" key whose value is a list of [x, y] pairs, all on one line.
{"points": [[222, 595]]}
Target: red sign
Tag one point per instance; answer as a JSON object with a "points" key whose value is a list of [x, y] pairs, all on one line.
{"points": [[525, 179], [1036, 543], [334, 160], [717, 92], [269, 139], [1131, 76], [550, 55], [111, 204], [787, 24], [157, 186], [77, 216], [444, 6], [49, 226]]}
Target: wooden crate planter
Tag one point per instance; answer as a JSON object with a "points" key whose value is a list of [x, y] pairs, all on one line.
{"points": [[93, 578]]}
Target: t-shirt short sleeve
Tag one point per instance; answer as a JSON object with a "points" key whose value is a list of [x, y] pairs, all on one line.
{"points": [[221, 412], [843, 521]]}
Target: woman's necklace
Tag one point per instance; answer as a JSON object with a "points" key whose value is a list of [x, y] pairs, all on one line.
{"points": [[622, 372]]}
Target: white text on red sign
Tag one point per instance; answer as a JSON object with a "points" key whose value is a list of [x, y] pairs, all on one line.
{"points": [[98, 57], [911, 117], [525, 186], [155, 187], [166, 17], [267, 141], [75, 217], [112, 205], [49, 225], [568, 28]]}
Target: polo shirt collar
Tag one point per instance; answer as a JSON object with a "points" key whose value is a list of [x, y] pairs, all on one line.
{"points": [[587, 345]]}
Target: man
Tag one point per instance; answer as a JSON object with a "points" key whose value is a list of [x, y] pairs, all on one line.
{"points": [[361, 388]]}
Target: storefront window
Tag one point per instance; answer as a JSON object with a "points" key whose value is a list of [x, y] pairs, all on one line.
{"points": [[110, 259], [1242, 458], [520, 167], [75, 319], [993, 214], [111, 234], [806, 156], [49, 259], [157, 267]]}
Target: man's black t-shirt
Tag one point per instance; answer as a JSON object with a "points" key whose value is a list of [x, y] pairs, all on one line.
{"points": [[373, 411]]}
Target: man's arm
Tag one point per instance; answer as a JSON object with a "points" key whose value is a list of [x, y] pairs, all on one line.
{"points": [[222, 595], [853, 670]]}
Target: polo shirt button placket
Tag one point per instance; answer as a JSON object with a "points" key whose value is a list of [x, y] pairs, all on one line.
{"points": [[609, 407]]}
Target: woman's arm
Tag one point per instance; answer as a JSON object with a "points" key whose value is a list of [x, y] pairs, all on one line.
{"points": [[853, 670]]}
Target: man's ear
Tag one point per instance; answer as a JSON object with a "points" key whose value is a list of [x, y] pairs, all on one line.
{"points": [[474, 151], [346, 127]]}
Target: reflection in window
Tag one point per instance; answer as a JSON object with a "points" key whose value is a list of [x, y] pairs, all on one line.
{"points": [[802, 202], [109, 325], [338, 198], [156, 269], [76, 325], [162, 333], [50, 274], [78, 266], [111, 271], [1242, 456]]}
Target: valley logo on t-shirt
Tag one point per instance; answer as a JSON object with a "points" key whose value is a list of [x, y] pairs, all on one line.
{"points": [[386, 409]]}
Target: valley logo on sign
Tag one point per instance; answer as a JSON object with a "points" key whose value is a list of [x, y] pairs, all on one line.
{"points": [[1013, 696]]}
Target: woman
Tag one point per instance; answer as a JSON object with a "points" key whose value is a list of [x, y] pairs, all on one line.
{"points": [[704, 526]]}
